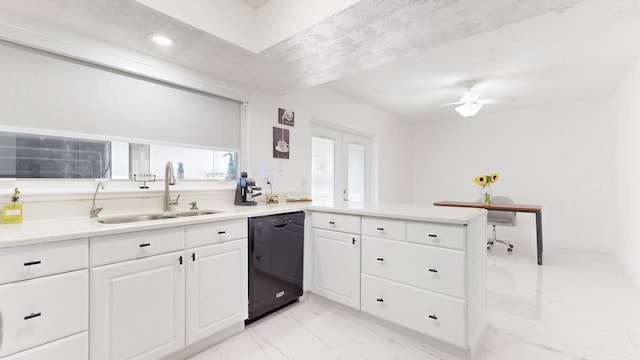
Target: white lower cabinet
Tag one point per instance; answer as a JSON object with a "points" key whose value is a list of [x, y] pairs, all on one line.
{"points": [[137, 308], [74, 347], [337, 266], [216, 288], [36, 311], [428, 312]]}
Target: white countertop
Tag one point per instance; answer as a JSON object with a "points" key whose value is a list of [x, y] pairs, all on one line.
{"points": [[41, 231]]}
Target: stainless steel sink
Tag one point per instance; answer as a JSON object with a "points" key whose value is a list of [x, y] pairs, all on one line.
{"points": [[198, 212], [148, 217]]}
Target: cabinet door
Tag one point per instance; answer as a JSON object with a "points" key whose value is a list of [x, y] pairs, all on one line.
{"points": [[137, 308], [337, 266], [216, 288]]}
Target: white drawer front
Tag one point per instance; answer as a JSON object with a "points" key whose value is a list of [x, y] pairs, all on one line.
{"points": [[215, 232], [41, 310], [336, 222], [427, 267], [74, 347], [27, 262], [445, 235], [386, 228], [113, 248], [433, 314]]}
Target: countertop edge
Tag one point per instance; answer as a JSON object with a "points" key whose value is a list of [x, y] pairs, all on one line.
{"points": [[45, 231]]}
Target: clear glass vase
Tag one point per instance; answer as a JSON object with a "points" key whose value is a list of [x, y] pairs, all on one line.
{"points": [[485, 194]]}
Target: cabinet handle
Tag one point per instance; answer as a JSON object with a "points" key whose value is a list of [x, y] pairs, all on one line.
{"points": [[332, 222], [221, 232], [433, 270], [433, 317], [32, 263], [193, 256], [380, 300], [433, 235], [145, 245], [353, 241], [380, 229], [180, 260], [380, 259], [32, 315]]}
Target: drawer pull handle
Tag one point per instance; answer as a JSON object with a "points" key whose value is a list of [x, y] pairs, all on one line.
{"points": [[380, 229], [433, 317], [380, 300], [380, 259], [32, 263], [332, 222], [433, 270], [221, 232], [433, 235], [32, 315], [145, 245]]}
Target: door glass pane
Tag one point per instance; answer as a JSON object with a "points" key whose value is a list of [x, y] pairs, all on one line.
{"points": [[356, 172], [322, 170]]}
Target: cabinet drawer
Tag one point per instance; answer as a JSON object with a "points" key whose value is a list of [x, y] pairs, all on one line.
{"points": [[215, 232], [427, 267], [430, 313], [74, 347], [113, 248], [445, 235], [386, 228], [336, 222], [41, 310], [31, 261]]}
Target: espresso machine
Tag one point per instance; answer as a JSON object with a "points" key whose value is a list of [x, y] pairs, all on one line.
{"points": [[244, 190]]}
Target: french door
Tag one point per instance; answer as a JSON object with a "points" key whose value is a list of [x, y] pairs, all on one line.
{"points": [[340, 166]]}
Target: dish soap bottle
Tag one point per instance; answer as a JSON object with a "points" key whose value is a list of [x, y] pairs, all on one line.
{"points": [[12, 212], [180, 171]]}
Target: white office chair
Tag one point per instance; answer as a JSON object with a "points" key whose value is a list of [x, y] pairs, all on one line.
{"points": [[502, 218]]}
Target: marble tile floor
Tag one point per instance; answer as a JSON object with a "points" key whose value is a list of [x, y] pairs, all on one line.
{"points": [[579, 305]]}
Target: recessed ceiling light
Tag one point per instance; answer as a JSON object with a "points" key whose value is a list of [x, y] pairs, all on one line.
{"points": [[161, 39]]}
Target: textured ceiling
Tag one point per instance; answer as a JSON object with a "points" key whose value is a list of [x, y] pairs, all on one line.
{"points": [[407, 57], [255, 3]]}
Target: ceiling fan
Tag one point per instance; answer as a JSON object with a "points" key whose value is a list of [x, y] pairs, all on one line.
{"points": [[469, 103]]}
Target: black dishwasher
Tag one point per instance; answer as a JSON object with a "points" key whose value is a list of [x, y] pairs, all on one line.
{"points": [[276, 246]]}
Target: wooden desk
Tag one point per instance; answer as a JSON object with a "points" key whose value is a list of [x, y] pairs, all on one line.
{"points": [[537, 209]]}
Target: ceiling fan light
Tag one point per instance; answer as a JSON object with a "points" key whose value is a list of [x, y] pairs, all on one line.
{"points": [[468, 109]]}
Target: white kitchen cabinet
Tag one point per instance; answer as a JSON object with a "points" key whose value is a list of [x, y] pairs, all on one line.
{"points": [[34, 312], [336, 266], [75, 347], [137, 308], [429, 278], [216, 288]]}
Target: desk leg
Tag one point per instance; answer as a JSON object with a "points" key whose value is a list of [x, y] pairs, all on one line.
{"points": [[539, 235]]}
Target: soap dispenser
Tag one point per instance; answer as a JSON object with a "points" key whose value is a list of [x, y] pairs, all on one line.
{"points": [[12, 212], [180, 171]]}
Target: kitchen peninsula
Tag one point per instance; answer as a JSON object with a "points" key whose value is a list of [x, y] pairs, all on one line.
{"points": [[419, 267]]}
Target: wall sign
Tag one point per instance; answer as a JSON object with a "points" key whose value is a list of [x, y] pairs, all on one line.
{"points": [[285, 116], [280, 143]]}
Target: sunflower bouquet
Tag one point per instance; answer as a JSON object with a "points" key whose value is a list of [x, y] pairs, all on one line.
{"points": [[485, 181]]}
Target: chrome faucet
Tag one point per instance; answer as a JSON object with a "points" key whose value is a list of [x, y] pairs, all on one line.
{"points": [[96, 210], [169, 179]]}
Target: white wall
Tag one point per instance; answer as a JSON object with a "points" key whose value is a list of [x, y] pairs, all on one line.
{"points": [[624, 184], [557, 157], [390, 140]]}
